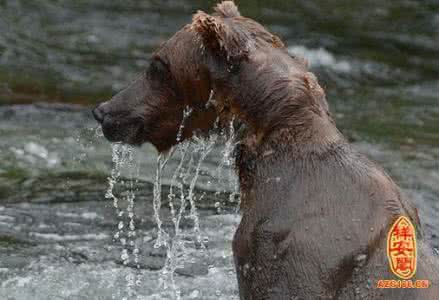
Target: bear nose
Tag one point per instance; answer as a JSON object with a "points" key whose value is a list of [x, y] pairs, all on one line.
{"points": [[98, 113]]}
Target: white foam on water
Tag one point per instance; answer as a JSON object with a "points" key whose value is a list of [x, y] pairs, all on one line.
{"points": [[84, 215], [321, 58], [21, 281], [65, 223], [6, 218], [37, 150], [69, 237], [6, 224], [35, 153], [45, 226]]}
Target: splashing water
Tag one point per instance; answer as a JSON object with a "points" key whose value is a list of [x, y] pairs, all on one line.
{"points": [[228, 161], [162, 236], [204, 148], [182, 200], [186, 114], [226, 164], [183, 181], [192, 154], [122, 156], [86, 139]]}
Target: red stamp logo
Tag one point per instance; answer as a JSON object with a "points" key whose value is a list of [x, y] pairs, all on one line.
{"points": [[401, 248], [401, 252]]}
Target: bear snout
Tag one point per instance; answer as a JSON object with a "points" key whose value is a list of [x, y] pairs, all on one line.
{"points": [[119, 126], [98, 113]]}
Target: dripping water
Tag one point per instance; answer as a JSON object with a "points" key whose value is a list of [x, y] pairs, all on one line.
{"points": [[162, 235], [186, 113], [229, 181], [123, 202], [203, 147], [183, 205], [182, 197]]}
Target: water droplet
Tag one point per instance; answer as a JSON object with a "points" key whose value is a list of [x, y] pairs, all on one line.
{"points": [[124, 256], [195, 294]]}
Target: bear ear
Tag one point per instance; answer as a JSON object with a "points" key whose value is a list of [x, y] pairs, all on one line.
{"points": [[211, 30], [227, 9], [218, 35]]}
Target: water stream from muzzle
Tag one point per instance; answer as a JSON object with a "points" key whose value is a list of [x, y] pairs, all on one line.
{"points": [[227, 162], [181, 235], [182, 199], [123, 202], [182, 207]]}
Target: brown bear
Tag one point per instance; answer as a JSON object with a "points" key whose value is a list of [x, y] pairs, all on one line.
{"points": [[315, 212]]}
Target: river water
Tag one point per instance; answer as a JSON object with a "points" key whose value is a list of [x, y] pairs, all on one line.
{"points": [[61, 236]]}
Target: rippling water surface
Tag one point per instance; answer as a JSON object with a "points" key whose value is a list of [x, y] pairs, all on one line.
{"points": [[377, 60]]}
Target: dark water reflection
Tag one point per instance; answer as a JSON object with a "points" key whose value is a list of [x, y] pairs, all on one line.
{"points": [[68, 49]]}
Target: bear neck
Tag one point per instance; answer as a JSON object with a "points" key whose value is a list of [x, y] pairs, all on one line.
{"points": [[301, 134], [306, 142], [288, 102], [284, 120]]}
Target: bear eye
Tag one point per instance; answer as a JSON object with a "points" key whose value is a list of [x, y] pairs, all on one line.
{"points": [[158, 68]]}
